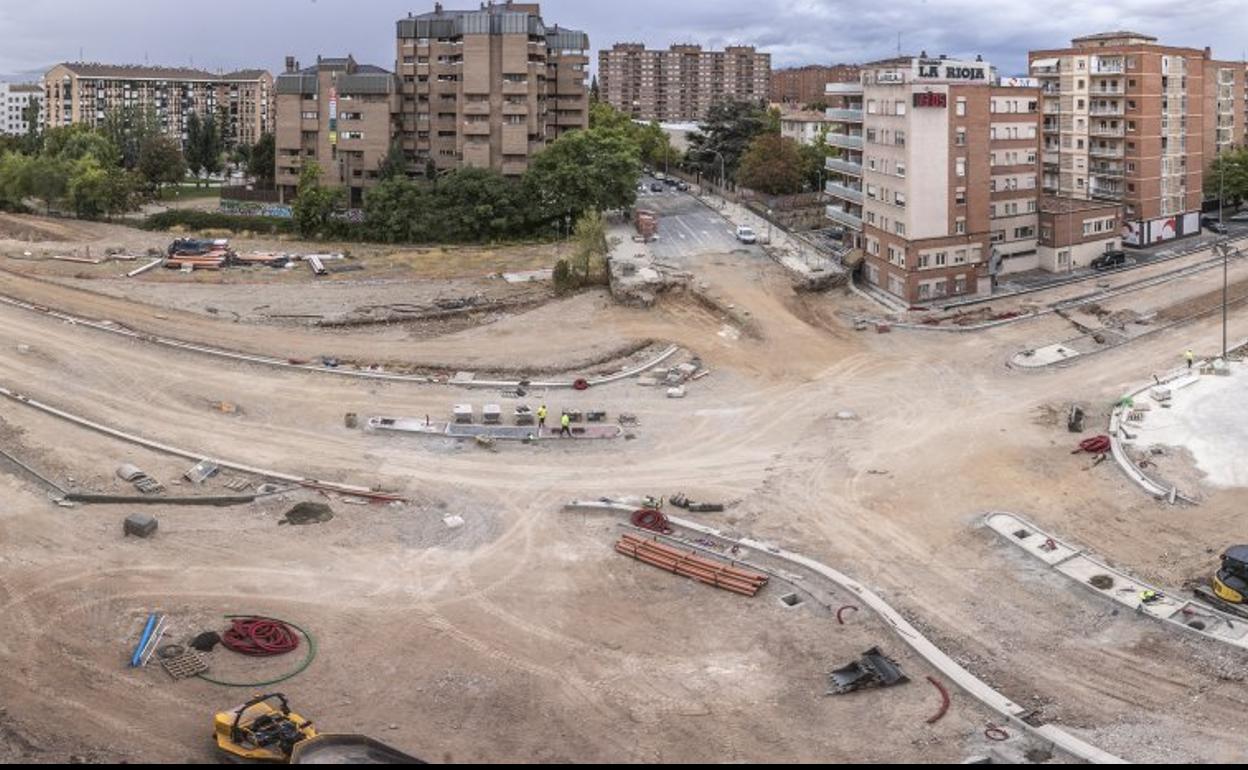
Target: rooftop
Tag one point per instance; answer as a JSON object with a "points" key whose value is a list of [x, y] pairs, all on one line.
{"points": [[1051, 204], [146, 72], [1114, 36]]}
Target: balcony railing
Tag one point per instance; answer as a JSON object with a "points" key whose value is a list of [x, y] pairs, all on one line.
{"points": [[1107, 131], [844, 192], [843, 166], [1106, 152], [845, 141], [1106, 91], [844, 218], [848, 116], [1105, 193], [843, 88]]}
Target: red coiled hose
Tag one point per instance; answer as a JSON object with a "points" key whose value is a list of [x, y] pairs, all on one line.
{"points": [[655, 521], [260, 637]]}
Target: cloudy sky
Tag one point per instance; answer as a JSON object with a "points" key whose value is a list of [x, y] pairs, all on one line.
{"points": [[231, 34]]}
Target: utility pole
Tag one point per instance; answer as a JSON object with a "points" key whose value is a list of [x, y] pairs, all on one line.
{"points": [[1226, 248]]}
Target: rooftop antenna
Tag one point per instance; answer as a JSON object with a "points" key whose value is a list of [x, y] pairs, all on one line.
{"points": [[899, 44]]}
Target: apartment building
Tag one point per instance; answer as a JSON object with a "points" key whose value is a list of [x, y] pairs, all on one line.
{"points": [[680, 85], [341, 115], [15, 99], [488, 88], [803, 126], [936, 177], [1132, 121], [1074, 232], [801, 86], [241, 102]]}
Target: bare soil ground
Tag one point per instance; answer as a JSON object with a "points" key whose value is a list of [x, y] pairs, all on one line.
{"points": [[522, 635]]}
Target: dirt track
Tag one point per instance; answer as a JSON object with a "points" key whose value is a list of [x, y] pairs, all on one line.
{"points": [[523, 636]]}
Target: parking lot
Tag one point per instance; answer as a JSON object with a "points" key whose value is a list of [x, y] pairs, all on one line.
{"points": [[687, 227]]}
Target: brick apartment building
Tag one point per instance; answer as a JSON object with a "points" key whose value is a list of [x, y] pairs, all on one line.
{"points": [[487, 88], [1131, 121], [680, 85], [340, 114], [802, 86], [242, 102], [937, 176], [14, 101]]}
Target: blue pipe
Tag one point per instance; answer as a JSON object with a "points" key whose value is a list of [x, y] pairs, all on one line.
{"points": [[136, 659]]}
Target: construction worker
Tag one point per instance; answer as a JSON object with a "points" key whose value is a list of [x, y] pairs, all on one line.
{"points": [[1149, 596], [1191, 358], [566, 422], [541, 419]]}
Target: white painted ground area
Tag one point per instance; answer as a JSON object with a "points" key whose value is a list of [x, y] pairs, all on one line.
{"points": [[1210, 418]]}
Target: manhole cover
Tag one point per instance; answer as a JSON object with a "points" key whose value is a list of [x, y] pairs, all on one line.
{"points": [[1103, 582]]}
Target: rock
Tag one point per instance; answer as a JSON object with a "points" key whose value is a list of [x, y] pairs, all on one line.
{"points": [[140, 525], [846, 416], [676, 392]]}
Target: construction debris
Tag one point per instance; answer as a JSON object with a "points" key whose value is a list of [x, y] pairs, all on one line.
{"points": [[691, 565], [873, 669], [680, 501], [141, 481], [308, 513], [185, 666], [140, 525], [201, 472]]}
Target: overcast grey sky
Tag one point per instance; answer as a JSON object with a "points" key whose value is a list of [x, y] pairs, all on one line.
{"points": [[232, 34]]}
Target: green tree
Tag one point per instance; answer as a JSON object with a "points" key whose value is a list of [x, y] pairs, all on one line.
{"points": [[16, 180], [34, 129], [394, 164], [262, 164], [204, 146], [127, 129], [49, 179], [581, 171], [314, 204], [81, 144], [591, 246], [594, 94], [160, 162], [772, 165], [814, 157], [1228, 176], [729, 128]]}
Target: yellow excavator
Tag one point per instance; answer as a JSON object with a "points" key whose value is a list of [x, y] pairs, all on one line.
{"points": [[1228, 588], [265, 730]]}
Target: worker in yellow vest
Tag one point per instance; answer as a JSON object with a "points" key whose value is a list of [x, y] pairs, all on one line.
{"points": [[566, 430], [1191, 358], [541, 419]]}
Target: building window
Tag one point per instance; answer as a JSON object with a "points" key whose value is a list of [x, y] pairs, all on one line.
{"points": [[959, 227], [959, 138], [901, 169], [960, 109], [959, 197], [899, 228], [960, 166]]}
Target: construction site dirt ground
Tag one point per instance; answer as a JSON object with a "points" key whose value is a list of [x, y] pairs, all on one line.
{"points": [[522, 635]]}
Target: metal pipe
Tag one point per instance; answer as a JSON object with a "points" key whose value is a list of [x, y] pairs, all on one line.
{"points": [[147, 632]]}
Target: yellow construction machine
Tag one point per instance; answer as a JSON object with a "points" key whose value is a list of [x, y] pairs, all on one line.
{"points": [[1228, 588], [264, 730]]}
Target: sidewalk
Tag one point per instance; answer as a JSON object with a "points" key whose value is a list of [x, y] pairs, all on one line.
{"points": [[792, 252]]}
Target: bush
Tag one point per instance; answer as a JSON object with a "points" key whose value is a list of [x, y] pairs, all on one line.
{"points": [[565, 280], [208, 220]]}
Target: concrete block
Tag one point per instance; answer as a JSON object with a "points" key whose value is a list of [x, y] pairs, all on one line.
{"points": [[676, 392], [463, 414], [492, 414], [647, 382], [140, 525]]}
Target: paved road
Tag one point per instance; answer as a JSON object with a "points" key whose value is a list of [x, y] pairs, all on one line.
{"points": [[687, 228]]}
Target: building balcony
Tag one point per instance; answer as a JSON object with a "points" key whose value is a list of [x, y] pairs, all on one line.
{"points": [[846, 116], [1106, 152], [845, 218], [1106, 170], [1106, 91], [1105, 193], [1109, 68], [477, 128], [843, 166], [1052, 158], [844, 141], [1107, 131], [1105, 109], [842, 89], [844, 192]]}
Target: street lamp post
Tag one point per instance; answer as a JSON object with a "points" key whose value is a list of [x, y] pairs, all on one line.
{"points": [[1226, 249]]}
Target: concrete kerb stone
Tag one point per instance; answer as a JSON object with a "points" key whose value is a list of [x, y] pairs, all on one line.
{"points": [[345, 489], [1076, 564], [1117, 421], [112, 328], [964, 679]]}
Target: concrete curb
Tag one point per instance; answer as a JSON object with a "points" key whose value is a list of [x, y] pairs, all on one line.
{"points": [[971, 684], [1117, 420], [111, 328], [345, 489], [1122, 589]]}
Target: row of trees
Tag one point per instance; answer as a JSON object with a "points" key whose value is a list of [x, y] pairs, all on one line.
{"points": [[583, 171], [1229, 175], [110, 170], [740, 143]]}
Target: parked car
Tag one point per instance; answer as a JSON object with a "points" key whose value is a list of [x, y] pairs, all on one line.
{"points": [[1110, 260], [656, 187], [1240, 217], [682, 186], [1214, 225], [746, 234]]}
